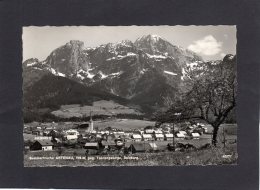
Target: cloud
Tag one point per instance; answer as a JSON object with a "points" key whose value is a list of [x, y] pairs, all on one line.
{"points": [[222, 55], [207, 46]]}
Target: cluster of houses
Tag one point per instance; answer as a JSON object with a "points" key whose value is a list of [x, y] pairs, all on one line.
{"points": [[149, 138]]}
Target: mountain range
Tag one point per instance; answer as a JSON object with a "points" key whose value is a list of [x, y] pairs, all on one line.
{"points": [[144, 73]]}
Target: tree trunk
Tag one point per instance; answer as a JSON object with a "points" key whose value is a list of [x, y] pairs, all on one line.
{"points": [[215, 134]]}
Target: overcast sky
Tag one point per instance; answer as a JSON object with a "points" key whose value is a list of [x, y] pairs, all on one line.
{"points": [[210, 42]]}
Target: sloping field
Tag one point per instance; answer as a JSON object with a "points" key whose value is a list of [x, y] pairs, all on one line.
{"points": [[124, 124], [101, 107]]}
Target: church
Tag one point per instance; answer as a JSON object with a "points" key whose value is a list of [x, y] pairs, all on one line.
{"points": [[88, 125]]}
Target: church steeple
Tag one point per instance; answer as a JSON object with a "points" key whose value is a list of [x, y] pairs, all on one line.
{"points": [[91, 124], [90, 115]]}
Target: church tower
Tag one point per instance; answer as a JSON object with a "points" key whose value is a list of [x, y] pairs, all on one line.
{"points": [[91, 124]]}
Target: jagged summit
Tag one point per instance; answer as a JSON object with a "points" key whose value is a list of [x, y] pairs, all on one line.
{"points": [[75, 43], [150, 37]]}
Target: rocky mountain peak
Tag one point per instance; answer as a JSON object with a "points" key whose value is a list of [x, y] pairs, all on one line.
{"points": [[151, 38], [69, 58], [126, 42], [153, 44], [229, 58], [30, 62], [75, 44]]}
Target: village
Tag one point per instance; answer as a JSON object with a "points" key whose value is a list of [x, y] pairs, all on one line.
{"points": [[94, 141]]}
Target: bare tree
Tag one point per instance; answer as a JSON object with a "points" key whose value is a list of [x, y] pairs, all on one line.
{"points": [[210, 94]]}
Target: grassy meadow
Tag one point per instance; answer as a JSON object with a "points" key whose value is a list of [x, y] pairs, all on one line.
{"points": [[101, 107], [124, 124], [211, 156]]}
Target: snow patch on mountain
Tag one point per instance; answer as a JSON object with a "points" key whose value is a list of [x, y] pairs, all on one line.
{"points": [[184, 74], [116, 74], [119, 57], [102, 75], [170, 73], [80, 76], [56, 73], [112, 58], [60, 74], [156, 56], [131, 54], [195, 64], [90, 75], [82, 71], [90, 48], [112, 91], [155, 37], [36, 68], [31, 64], [87, 73]]}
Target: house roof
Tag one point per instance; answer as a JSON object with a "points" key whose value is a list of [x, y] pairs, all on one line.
{"points": [[141, 146], [119, 132], [183, 132], [153, 145], [195, 134], [180, 135], [71, 130], [45, 142], [159, 135], [147, 136], [108, 143], [158, 132], [158, 146], [137, 136], [91, 144], [149, 130], [169, 135]]}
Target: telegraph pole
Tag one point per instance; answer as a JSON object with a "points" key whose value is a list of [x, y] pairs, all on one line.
{"points": [[173, 138], [224, 138]]}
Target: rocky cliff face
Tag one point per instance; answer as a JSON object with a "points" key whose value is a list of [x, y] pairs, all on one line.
{"points": [[68, 59], [155, 45]]}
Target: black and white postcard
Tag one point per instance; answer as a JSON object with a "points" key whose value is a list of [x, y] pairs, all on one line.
{"points": [[129, 95]]}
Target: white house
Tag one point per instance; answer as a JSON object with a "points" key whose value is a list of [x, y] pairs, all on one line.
{"points": [[158, 131], [93, 132], [71, 134], [183, 132], [147, 137], [119, 132], [169, 137], [159, 137], [149, 131], [136, 137], [42, 138], [44, 145], [195, 135], [180, 135]]}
